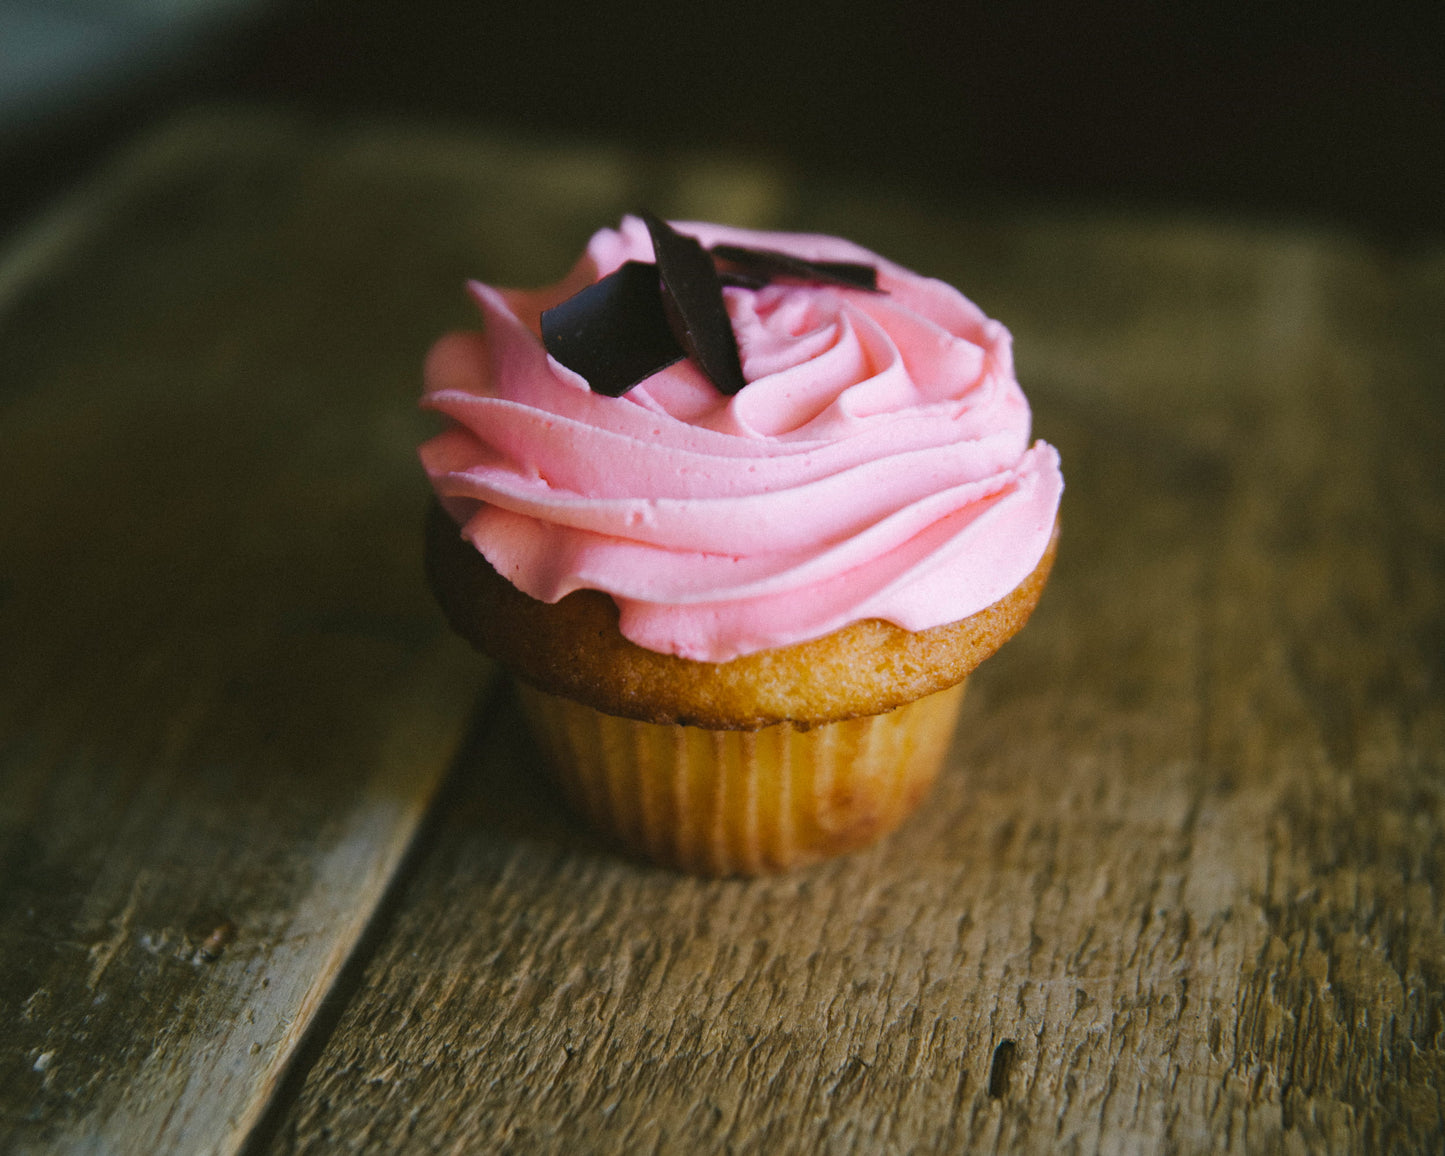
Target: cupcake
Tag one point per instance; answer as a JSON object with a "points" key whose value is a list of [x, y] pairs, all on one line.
{"points": [[741, 512]]}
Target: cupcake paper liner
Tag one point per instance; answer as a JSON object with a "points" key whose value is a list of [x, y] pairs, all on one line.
{"points": [[732, 802]]}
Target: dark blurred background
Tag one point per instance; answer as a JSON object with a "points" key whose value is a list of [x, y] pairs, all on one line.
{"points": [[1327, 111]]}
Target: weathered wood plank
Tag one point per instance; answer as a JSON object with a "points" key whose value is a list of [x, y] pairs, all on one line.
{"points": [[1181, 890], [226, 699]]}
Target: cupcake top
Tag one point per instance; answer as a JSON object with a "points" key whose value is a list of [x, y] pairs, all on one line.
{"points": [[874, 461]]}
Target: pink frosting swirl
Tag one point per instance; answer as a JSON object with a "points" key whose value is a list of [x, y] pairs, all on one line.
{"points": [[877, 465]]}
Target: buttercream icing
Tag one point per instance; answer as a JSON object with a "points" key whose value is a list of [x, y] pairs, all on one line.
{"points": [[876, 465]]}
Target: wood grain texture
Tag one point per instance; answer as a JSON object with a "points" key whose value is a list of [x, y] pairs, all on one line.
{"points": [[225, 698], [1180, 890]]}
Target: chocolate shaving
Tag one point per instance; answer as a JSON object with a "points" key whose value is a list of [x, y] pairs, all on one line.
{"points": [[764, 264], [615, 333], [732, 280], [643, 318], [693, 301]]}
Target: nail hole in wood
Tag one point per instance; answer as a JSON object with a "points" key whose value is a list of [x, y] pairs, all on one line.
{"points": [[998, 1071]]}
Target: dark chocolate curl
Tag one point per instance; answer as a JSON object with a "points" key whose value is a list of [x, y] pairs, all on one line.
{"points": [[614, 333], [763, 264], [731, 280], [693, 301]]}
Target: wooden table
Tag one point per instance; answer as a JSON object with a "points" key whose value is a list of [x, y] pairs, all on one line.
{"points": [[277, 869]]}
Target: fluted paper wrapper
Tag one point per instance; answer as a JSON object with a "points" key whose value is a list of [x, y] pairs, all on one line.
{"points": [[717, 802]]}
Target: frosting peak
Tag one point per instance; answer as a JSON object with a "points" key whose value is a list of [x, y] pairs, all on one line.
{"points": [[876, 465]]}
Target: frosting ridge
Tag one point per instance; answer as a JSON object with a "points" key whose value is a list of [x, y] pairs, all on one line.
{"points": [[876, 465]]}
